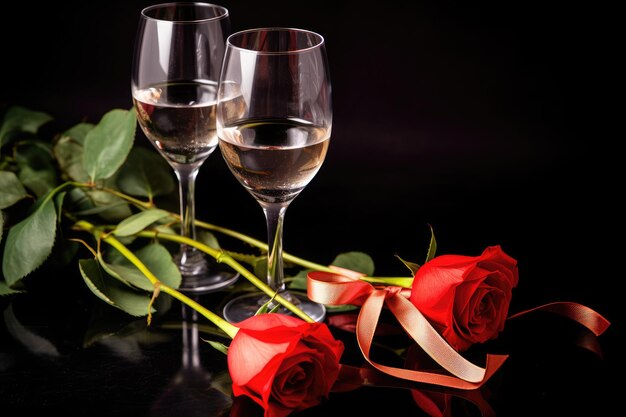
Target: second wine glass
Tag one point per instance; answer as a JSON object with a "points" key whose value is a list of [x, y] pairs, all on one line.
{"points": [[178, 56], [274, 119]]}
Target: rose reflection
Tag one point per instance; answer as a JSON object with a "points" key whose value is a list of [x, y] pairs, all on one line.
{"points": [[194, 390], [243, 406], [434, 401]]}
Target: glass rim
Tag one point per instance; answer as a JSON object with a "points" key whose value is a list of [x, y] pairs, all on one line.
{"points": [[222, 9], [318, 44]]}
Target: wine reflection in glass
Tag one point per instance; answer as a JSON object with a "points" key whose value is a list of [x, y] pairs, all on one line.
{"points": [[176, 67], [274, 119]]}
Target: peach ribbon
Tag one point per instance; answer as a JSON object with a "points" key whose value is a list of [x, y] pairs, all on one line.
{"points": [[346, 287], [336, 289], [578, 312]]}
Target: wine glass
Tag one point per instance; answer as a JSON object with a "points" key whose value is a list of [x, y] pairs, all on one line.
{"points": [[176, 67], [274, 119]]}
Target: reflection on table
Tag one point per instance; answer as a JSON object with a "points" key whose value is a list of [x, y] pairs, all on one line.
{"points": [[85, 355]]}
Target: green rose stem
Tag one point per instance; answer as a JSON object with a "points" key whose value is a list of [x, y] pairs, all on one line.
{"points": [[399, 281], [219, 255], [405, 282]]}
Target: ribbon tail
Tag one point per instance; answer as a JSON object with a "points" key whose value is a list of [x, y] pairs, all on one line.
{"points": [[578, 312]]}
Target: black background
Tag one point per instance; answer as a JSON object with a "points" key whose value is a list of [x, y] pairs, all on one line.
{"points": [[492, 122]]}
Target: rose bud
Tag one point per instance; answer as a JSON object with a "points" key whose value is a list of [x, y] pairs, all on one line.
{"points": [[466, 298]]}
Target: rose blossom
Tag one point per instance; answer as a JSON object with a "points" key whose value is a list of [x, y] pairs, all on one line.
{"points": [[466, 298], [283, 363]]}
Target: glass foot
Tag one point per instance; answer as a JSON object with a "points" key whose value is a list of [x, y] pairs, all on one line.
{"points": [[211, 281], [199, 276], [245, 306]]}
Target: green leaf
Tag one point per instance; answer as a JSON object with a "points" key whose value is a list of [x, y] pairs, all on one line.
{"points": [[69, 155], [107, 145], [90, 202], [111, 207], [218, 346], [139, 221], [37, 170], [1, 224], [298, 281], [259, 267], [432, 247], [79, 132], [12, 189], [6, 290], [355, 261], [146, 174], [413, 267], [156, 258], [208, 238], [58, 203], [79, 200], [30, 242], [265, 308], [331, 309], [163, 228], [69, 152], [19, 119], [111, 291]]}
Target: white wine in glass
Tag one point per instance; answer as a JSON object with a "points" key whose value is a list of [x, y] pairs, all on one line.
{"points": [[274, 120], [177, 60]]}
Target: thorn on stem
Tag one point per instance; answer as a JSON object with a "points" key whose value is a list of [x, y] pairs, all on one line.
{"points": [[155, 294]]}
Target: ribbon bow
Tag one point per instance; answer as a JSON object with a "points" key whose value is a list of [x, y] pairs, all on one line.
{"points": [[346, 287]]}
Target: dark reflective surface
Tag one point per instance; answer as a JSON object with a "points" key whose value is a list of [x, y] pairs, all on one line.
{"points": [[70, 352], [195, 390]]}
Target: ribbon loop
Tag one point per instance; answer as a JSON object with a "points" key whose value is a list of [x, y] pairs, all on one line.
{"points": [[336, 289]]}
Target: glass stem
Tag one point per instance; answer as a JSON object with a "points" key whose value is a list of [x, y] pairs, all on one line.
{"points": [[275, 215], [186, 184]]}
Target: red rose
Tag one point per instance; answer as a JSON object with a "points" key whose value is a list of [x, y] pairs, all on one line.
{"points": [[283, 363], [466, 298]]}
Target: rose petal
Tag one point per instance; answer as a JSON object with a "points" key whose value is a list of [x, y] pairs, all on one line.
{"points": [[294, 382], [247, 356], [433, 291], [266, 321], [451, 261], [267, 335], [502, 276]]}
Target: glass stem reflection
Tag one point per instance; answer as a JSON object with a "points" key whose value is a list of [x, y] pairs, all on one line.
{"points": [[190, 260], [191, 351], [275, 215]]}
